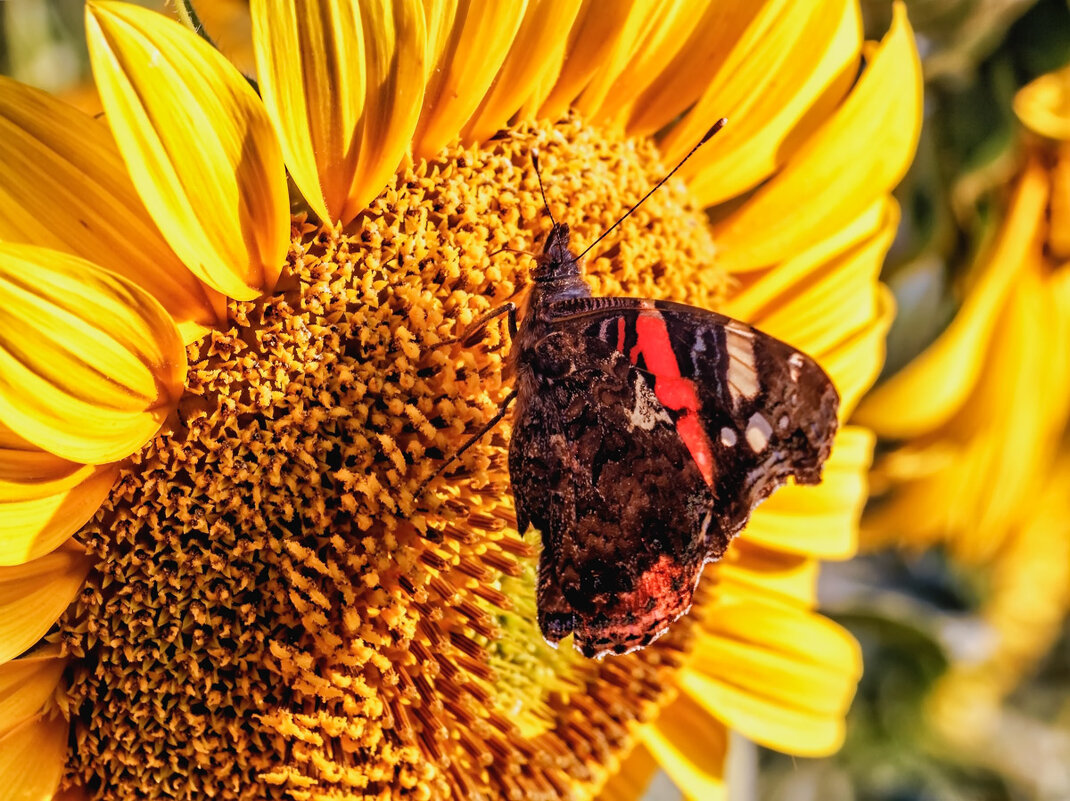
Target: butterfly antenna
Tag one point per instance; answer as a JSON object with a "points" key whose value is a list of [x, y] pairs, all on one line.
{"points": [[545, 202], [709, 134]]}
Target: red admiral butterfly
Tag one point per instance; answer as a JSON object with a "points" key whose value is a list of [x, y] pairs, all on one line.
{"points": [[645, 433]]}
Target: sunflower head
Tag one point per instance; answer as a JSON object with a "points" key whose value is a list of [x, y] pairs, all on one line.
{"points": [[249, 594]]}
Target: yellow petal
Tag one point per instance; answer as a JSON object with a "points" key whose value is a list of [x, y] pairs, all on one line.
{"points": [[1000, 456], [759, 289], [343, 83], [1043, 105], [44, 499], [821, 520], [198, 144], [785, 577], [780, 675], [690, 47], [853, 365], [671, 29], [34, 595], [691, 745], [64, 186], [90, 364], [930, 389], [520, 75], [595, 35], [775, 87], [395, 42], [851, 161], [817, 305], [308, 59], [1059, 206], [629, 783], [467, 43], [32, 759], [27, 686], [650, 23]]}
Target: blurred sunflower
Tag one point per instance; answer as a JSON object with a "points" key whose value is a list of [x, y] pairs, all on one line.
{"points": [[978, 419], [217, 580]]}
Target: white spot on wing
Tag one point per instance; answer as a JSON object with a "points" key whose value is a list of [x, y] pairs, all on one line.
{"points": [[728, 437], [742, 372], [758, 432], [648, 409], [795, 363]]}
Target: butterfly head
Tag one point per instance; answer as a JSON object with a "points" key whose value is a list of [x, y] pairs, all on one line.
{"points": [[557, 261]]}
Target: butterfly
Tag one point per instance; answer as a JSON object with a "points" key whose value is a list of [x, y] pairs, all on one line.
{"points": [[644, 434]]}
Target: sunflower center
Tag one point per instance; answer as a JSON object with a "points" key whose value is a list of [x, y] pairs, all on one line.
{"points": [[275, 613]]}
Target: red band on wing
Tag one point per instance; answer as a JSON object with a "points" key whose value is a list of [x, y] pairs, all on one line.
{"points": [[674, 391]]}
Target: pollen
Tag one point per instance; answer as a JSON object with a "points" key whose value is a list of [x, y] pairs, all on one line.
{"points": [[278, 611]]}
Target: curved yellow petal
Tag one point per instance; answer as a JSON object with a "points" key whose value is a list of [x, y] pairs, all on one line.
{"points": [[664, 28], [45, 499], [32, 759], [34, 595], [853, 365], [1043, 105], [27, 686], [309, 60], [599, 26], [857, 156], [659, 87], [343, 83], [648, 24], [930, 389], [815, 306], [760, 289], [90, 363], [691, 745], [785, 577], [467, 43], [629, 783], [821, 520], [520, 75], [780, 675], [64, 186], [976, 496], [197, 142], [775, 90], [395, 41]]}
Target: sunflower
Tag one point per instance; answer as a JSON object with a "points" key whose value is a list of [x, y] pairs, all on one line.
{"points": [[219, 398], [977, 423]]}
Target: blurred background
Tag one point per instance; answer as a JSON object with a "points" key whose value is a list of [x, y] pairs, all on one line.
{"points": [[960, 596]]}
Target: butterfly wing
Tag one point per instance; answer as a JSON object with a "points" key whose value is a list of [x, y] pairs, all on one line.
{"points": [[702, 416], [598, 468], [752, 409]]}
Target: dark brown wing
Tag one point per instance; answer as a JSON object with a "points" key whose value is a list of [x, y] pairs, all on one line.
{"points": [[598, 468], [764, 410], [696, 417]]}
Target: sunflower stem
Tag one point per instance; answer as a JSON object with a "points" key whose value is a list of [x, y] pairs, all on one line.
{"points": [[741, 769]]}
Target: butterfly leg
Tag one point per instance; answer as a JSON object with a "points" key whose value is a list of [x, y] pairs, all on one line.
{"points": [[474, 332], [470, 442]]}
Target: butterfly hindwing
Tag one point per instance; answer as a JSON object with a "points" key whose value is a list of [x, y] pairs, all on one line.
{"points": [[599, 469]]}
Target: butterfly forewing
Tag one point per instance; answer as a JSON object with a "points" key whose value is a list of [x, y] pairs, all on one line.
{"points": [[647, 433]]}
